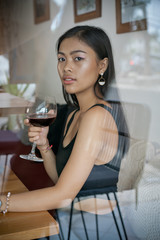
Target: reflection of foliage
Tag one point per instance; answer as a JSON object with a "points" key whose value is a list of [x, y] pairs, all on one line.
{"points": [[15, 122], [15, 89]]}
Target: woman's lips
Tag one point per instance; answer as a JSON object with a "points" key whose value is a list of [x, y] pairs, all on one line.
{"points": [[68, 80]]}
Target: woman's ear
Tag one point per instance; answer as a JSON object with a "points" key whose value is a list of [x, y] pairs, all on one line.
{"points": [[103, 65]]}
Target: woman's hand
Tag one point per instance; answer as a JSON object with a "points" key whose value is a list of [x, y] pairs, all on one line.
{"points": [[37, 134]]}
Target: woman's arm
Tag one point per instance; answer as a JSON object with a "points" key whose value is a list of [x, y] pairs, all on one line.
{"points": [[39, 136], [87, 149], [49, 161]]}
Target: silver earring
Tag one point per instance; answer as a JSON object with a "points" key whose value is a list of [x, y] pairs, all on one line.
{"points": [[101, 80]]}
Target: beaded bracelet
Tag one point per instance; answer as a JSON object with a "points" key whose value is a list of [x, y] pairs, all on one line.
{"points": [[7, 203], [45, 149]]}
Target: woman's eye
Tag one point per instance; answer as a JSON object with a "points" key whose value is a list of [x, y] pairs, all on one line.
{"points": [[61, 59], [78, 58]]}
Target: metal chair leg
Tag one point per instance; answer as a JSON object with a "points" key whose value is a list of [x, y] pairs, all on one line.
{"points": [[119, 211], [96, 219], [84, 224], [96, 216], [97, 231], [114, 217], [60, 235], [70, 220]]}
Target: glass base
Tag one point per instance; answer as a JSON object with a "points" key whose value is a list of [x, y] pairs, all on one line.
{"points": [[32, 157]]}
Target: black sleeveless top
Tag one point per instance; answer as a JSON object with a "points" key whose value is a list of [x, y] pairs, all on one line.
{"points": [[63, 153]]}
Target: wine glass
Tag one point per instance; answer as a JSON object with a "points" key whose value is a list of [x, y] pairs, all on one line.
{"points": [[42, 113]]}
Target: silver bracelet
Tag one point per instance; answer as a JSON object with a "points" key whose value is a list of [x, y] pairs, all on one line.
{"points": [[7, 203]]}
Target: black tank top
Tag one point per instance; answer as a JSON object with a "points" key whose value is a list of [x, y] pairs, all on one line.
{"points": [[64, 153]]}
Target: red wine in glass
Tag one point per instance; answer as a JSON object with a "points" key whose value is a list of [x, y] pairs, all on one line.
{"points": [[41, 119], [40, 114]]}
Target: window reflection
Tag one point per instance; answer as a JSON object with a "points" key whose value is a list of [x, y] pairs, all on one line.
{"points": [[4, 69], [140, 56]]}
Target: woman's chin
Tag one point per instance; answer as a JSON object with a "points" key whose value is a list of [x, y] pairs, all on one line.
{"points": [[70, 90]]}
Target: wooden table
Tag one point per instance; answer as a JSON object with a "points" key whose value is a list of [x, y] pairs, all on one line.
{"points": [[18, 226], [10, 104]]}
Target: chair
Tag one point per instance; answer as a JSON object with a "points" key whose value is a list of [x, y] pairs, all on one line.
{"points": [[107, 176]]}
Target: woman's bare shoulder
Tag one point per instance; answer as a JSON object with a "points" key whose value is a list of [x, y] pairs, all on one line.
{"points": [[98, 115]]}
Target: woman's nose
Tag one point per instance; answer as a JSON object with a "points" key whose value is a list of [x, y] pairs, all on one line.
{"points": [[68, 66]]}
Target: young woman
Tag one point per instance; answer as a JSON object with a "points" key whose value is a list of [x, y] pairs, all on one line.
{"points": [[90, 138]]}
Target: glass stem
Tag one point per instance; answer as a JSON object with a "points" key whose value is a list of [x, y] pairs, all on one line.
{"points": [[33, 148]]}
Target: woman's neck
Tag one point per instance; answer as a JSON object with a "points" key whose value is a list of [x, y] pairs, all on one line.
{"points": [[85, 102]]}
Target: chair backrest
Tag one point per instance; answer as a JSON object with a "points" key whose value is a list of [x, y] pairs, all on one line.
{"points": [[133, 122], [124, 139], [138, 119], [132, 164]]}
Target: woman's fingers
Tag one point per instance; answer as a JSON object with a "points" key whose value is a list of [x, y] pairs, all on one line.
{"points": [[33, 139], [34, 136], [38, 140], [35, 129], [51, 111], [37, 134], [26, 122], [34, 133]]}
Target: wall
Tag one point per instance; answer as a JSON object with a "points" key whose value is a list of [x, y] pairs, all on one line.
{"points": [[138, 83], [138, 92]]}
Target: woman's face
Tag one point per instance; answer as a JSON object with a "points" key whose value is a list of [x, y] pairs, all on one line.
{"points": [[78, 66]]}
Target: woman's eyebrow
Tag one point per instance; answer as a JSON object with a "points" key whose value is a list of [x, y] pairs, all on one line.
{"points": [[61, 53], [76, 51], [73, 52]]}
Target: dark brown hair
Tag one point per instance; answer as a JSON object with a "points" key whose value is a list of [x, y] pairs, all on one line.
{"points": [[98, 40]]}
